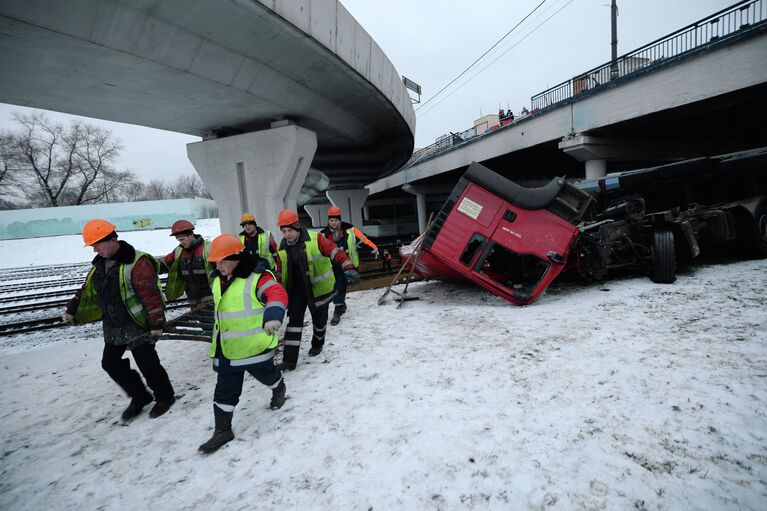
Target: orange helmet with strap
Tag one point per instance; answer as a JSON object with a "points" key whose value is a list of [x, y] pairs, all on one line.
{"points": [[247, 218], [181, 226], [287, 218], [334, 211], [223, 246], [96, 230]]}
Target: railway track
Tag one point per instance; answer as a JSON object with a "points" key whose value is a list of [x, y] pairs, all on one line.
{"points": [[369, 272], [37, 296], [43, 271], [21, 327]]}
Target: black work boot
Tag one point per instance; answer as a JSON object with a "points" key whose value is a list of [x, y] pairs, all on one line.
{"points": [[223, 432], [160, 407], [315, 350], [338, 311], [278, 396], [289, 359], [136, 405]]}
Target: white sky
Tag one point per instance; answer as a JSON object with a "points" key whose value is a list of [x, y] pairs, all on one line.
{"points": [[620, 395], [432, 41]]}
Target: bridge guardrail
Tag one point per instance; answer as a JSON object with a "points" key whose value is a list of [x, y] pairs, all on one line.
{"points": [[713, 29], [719, 26]]}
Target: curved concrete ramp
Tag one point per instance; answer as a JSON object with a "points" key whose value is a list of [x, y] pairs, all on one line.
{"points": [[214, 69]]}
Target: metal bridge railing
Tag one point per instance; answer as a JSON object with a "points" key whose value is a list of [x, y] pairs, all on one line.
{"points": [[711, 29]]}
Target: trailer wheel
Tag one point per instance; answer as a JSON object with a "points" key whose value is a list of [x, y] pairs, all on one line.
{"points": [[759, 230], [663, 257]]}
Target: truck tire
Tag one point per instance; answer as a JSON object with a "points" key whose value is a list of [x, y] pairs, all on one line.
{"points": [[759, 231], [663, 257]]}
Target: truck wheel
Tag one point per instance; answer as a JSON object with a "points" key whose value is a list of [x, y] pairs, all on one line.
{"points": [[663, 257], [759, 230]]}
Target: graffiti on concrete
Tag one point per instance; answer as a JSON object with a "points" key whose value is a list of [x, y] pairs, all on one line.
{"points": [[140, 223]]}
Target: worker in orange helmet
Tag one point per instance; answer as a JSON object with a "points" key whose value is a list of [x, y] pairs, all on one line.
{"points": [[259, 243], [345, 236], [307, 273], [123, 291], [249, 308], [188, 268]]}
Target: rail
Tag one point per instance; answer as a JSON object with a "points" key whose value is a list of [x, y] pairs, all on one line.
{"points": [[713, 29]]}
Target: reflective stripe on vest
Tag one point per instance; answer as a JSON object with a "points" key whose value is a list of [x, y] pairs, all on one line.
{"points": [[263, 247], [88, 309], [239, 319], [351, 246], [320, 267]]}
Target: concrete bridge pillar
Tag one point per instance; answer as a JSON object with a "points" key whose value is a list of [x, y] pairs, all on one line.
{"points": [[351, 203], [596, 168], [261, 172], [420, 199], [318, 213]]}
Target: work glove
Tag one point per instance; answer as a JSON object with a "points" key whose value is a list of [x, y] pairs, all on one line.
{"points": [[375, 254], [272, 326], [156, 332], [68, 318], [352, 276]]}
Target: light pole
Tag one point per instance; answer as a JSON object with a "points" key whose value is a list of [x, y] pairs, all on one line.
{"points": [[614, 43]]}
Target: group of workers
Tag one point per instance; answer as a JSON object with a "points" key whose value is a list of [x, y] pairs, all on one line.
{"points": [[253, 285]]}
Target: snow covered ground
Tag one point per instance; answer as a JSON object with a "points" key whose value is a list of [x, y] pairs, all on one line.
{"points": [[625, 395]]}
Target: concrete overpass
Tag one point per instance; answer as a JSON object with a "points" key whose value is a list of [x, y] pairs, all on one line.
{"points": [[272, 86], [707, 101]]}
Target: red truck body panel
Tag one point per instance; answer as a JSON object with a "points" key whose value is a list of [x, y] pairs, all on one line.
{"points": [[483, 237]]}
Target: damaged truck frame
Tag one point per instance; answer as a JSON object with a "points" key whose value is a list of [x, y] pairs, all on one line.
{"points": [[515, 241]]}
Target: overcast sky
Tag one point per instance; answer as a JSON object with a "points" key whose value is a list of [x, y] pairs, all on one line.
{"points": [[433, 41]]}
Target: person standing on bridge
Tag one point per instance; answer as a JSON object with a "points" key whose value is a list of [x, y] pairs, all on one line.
{"points": [[122, 290], [345, 236], [188, 267], [249, 309], [259, 243], [307, 273]]}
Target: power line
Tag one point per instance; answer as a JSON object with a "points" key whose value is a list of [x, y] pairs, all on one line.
{"points": [[494, 60], [481, 56]]}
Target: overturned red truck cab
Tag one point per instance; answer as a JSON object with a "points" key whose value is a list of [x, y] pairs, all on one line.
{"points": [[515, 241], [512, 240]]}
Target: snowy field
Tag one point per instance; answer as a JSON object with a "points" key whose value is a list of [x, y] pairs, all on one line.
{"points": [[626, 395]]}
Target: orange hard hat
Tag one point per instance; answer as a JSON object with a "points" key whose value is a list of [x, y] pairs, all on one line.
{"points": [[224, 246], [287, 217], [247, 218], [334, 211], [181, 226], [96, 230]]}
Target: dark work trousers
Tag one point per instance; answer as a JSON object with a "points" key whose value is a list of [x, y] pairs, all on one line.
{"points": [[230, 377], [338, 273], [297, 304], [118, 368]]}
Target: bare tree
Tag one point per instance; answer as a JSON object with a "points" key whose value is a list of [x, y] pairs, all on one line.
{"points": [[187, 186], [8, 171], [156, 190], [61, 166], [133, 192]]}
